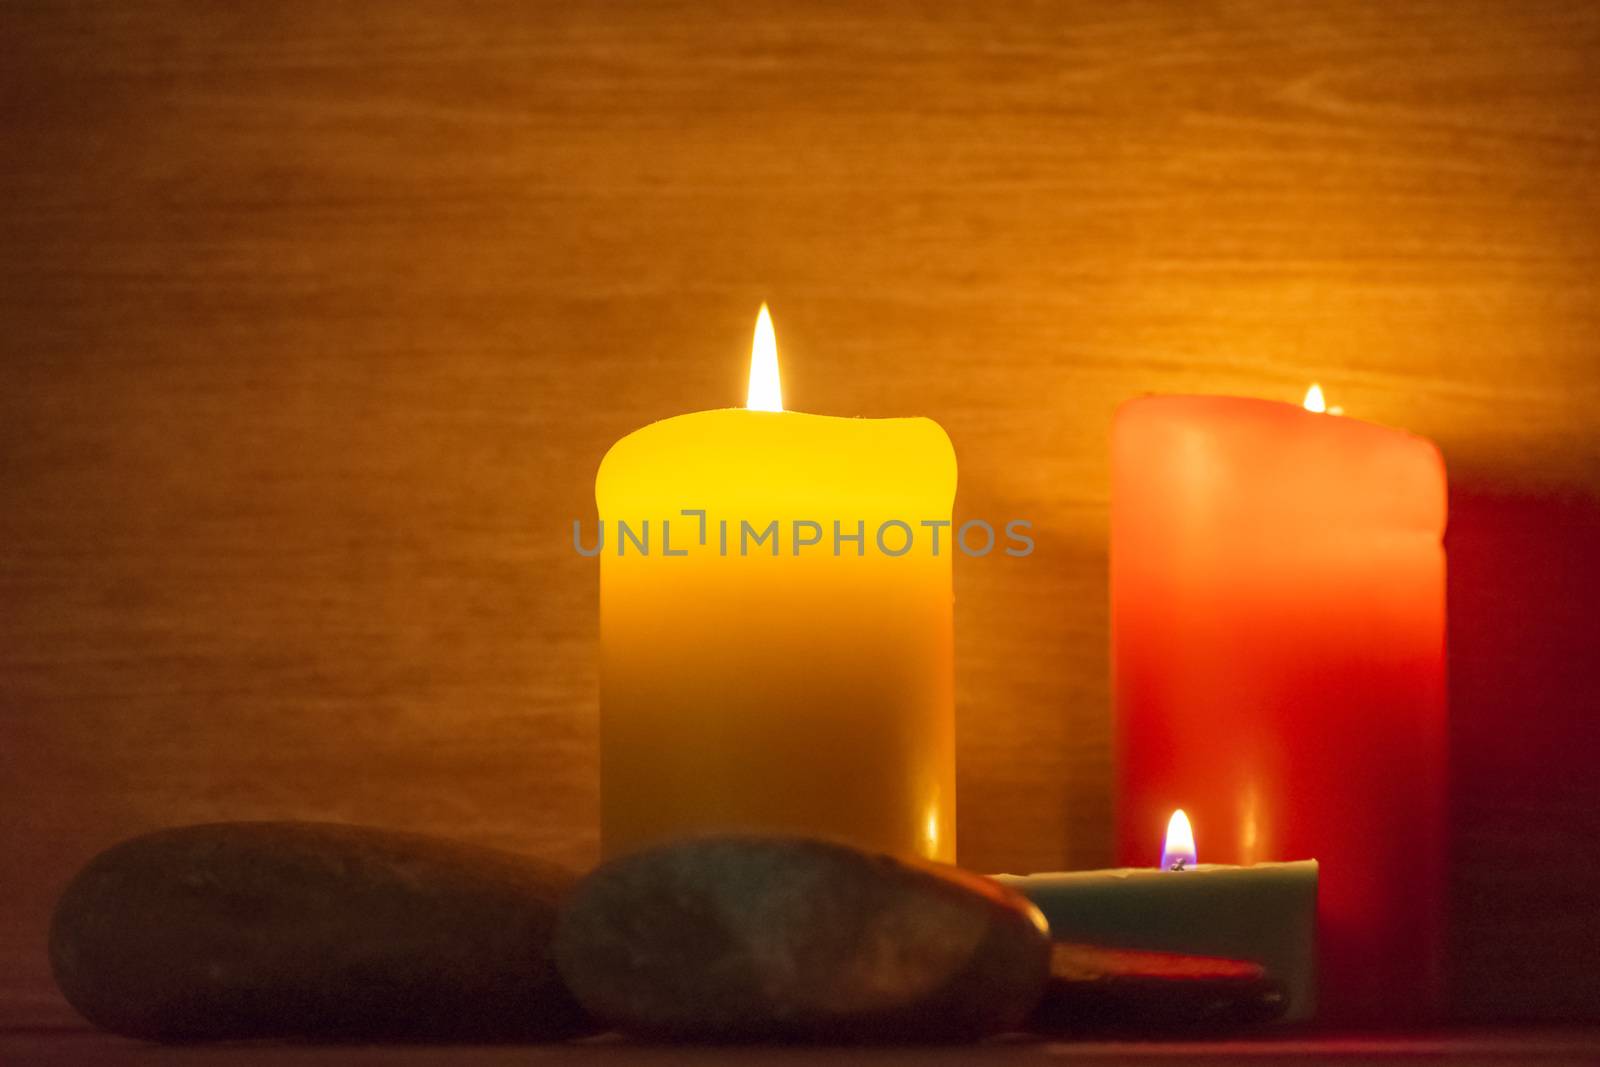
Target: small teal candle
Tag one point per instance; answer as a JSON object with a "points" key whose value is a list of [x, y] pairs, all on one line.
{"points": [[1266, 912]]}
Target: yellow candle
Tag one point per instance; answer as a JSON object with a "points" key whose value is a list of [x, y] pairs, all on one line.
{"points": [[775, 626]]}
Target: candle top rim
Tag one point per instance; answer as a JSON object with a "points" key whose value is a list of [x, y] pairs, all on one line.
{"points": [[1298, 450], [791, 418], [1308, 865], [903, 457], [1264, 405]]}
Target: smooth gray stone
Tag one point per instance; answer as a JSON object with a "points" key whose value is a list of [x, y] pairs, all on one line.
{"points": [[761, 939], [312, 930]]}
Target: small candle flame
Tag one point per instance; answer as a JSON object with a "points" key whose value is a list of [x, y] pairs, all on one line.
{"points": [[765, 392], [1179, 851], [1314, 402]]}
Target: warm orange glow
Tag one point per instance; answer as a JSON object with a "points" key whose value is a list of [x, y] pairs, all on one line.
{"points": [[1249, 826], [1179, 851], [765, 392]]}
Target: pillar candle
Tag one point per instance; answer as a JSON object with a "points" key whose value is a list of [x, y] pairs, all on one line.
{"points": [[1277, 586], [779, 657]]}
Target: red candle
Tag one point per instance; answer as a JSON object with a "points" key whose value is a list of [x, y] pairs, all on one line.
{"points": [[1277, 589]]}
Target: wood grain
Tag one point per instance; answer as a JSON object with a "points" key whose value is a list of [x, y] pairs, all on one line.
{"points": [[76, 1046], [318, 318]]}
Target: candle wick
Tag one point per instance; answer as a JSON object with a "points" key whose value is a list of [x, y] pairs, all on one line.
{"points": [[1177, 864]]}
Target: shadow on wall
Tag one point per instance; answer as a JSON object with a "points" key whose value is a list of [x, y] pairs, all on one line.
{"points": [[1524, 675]]}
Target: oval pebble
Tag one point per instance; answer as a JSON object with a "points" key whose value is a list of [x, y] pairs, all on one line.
{"points": [[312, 930], [760, 939]]}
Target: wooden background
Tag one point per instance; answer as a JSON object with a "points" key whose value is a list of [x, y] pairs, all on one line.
{"points": [[317, 318]]}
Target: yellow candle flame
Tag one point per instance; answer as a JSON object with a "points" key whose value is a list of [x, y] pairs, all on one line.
{"points": [[1315, 402], [765, 392], [1179, 851]]}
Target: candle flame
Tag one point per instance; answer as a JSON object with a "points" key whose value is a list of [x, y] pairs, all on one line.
{"points": [[765, 392], [1314, 402], [1179, 851]]}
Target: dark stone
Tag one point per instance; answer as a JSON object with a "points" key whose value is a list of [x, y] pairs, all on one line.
{"points": [[1124, 992], [312, 930], [761, 939]]}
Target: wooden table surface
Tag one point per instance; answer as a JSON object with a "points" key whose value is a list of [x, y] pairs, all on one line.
{"points": [[1553, 1047]]}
